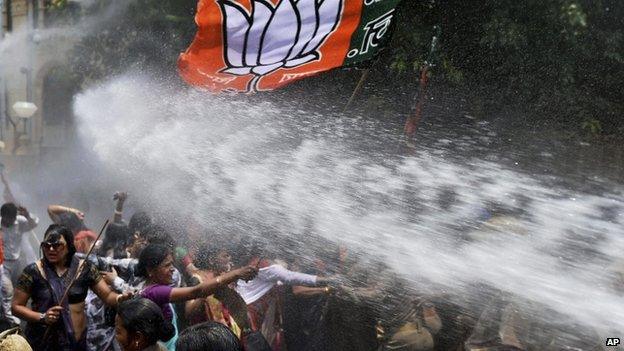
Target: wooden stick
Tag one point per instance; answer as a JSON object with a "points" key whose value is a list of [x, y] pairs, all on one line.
{"points": [[411, 124], [75, 278], [82, 264]]}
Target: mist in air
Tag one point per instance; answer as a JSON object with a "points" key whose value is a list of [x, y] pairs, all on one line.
{"points": [[258, 170], [453, 215]]}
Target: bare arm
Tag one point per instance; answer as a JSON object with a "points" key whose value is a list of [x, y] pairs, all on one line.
{"points": [[104, 292], [19, 309], [306, 291], [18, 306], [31, 221], [55, 210], [8, 194], [209, 287]]}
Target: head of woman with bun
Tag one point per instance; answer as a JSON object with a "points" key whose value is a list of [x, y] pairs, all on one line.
{"points": [[140, 324]]}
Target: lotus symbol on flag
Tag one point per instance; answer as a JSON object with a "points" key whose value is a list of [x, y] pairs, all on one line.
{"points": [[270, 37]]}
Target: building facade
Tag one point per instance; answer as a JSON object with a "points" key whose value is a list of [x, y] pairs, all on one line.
{"points": [[32, 69]]}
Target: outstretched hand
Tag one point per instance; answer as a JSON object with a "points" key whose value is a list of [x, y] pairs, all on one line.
{"points": [[247, 273], [120, 196]]}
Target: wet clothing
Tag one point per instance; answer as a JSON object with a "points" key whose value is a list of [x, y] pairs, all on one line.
{"points": [[264, 303], [46, 288], [101, 318], [161, 295], [11, 247], [213, 310], [267, 278], [305, 322], [100, 325], [6, 297], [12, 236]]}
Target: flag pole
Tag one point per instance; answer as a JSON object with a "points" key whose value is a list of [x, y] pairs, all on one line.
{"points": [[357, 89], [413, 120]]}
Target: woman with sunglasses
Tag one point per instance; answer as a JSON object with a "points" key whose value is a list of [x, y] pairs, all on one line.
{"points": [[48, 325]]}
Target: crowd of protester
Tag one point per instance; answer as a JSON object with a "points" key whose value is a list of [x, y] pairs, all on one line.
{"points": [[135, 287]]}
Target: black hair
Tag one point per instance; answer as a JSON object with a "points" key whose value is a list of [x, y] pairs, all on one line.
{"points": [[139, 222], [248, 249], [157, 234], [8, 210], [144, 316], [151, 257], [205, 256], [208, 336], [54, 233], [116, 238], [71, 221]]}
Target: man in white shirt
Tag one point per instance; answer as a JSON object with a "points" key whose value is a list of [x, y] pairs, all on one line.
{"points": [[267, 278], [14, 222], [263, 307]]}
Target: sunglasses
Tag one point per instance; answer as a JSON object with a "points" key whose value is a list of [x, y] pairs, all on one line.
{"points": [[50, 246]]}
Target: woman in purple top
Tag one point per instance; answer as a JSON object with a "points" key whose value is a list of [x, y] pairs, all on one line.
{"points": [[156, 265]]}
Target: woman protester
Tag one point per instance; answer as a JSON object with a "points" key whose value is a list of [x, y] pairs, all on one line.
{"points": [[212, 262], [140, 324], [156, 265], [263, 296], [50, 326]]}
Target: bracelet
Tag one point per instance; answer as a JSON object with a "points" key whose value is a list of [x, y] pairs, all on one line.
{"points": [[218, 280], [118, 212], [117, 298], [326, 289]]}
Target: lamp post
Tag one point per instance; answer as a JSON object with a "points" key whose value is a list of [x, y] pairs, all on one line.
{"points": [[2, 83], [32, 25], [24, 109]]}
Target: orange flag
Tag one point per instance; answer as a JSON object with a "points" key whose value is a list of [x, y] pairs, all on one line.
{"points": [[255, 45]]}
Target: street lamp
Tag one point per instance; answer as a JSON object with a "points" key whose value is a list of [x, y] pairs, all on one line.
{"points": [[24, 109]]}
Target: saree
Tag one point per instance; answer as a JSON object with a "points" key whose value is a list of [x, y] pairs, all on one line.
{"points": [[46, 289]]}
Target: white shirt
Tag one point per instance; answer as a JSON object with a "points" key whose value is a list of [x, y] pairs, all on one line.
{"points": [[267, 278], [13, 235]]}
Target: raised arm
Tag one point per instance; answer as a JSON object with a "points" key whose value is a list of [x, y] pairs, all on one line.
{"points": [[8, 194], [31, 221], [121, 197], [277, 273], [209, 287], [54, 211]]}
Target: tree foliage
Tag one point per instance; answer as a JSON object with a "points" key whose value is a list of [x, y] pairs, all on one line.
{"points": [[562, 60]]}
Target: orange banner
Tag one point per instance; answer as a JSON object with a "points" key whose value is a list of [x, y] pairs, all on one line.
{"points": [[255, 45]]}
